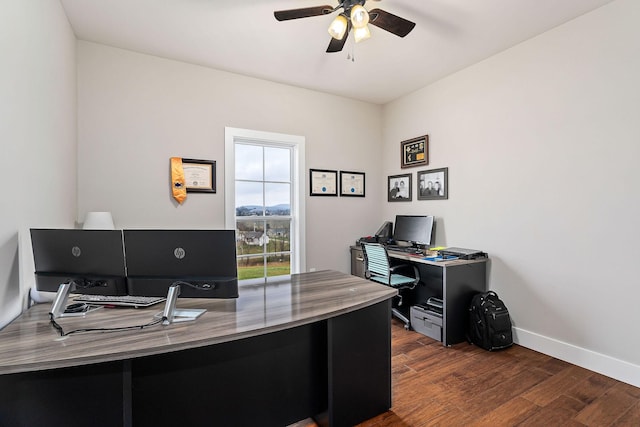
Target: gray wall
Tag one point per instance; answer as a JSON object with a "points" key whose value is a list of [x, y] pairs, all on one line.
{"points": [[541, 142], [136, 111], [37, 135]]}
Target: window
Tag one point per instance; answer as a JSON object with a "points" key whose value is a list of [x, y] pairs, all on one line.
{"points": [[265, 201]]}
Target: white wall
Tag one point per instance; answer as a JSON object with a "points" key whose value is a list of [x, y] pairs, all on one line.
{"points": [[37, 135], [541, 142], [136, 111]]}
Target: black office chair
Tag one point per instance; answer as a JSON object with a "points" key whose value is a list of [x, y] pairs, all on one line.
{"points": [[377, 268]]}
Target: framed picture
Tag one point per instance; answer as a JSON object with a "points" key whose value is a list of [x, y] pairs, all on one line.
{"points": [[399, 188], [323, 182], [199, 175], [433, 184], [415, 152], [351, 184]]}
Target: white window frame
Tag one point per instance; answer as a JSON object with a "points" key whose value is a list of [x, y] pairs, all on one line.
{"points": [[297, 144]]}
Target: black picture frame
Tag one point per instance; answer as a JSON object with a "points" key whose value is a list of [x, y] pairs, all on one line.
{"points": [[352, 184], [433, 184], [199, 175], [399, 188], [414, 152], [323, 182]]}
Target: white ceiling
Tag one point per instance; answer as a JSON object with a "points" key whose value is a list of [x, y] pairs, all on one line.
{"points": [[242, 36]]}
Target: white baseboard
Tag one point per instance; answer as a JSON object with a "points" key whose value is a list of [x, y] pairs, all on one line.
{"points": [[588, 359]]}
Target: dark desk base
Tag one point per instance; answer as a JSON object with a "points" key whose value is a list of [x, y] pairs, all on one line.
{"points": [[337, 371]]}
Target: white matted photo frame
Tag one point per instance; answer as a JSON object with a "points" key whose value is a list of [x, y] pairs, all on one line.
{"points": [[433, 184], [323, 182], [351, 184], [399, 188]]}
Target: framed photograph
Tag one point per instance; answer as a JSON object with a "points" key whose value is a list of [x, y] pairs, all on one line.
{"points": [[323, 182], [415, 152], [199, 175], [351, 184], [433, 184], [399, 188]]}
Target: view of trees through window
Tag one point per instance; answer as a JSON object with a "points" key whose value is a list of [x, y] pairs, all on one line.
{"points": [[263, 210]]}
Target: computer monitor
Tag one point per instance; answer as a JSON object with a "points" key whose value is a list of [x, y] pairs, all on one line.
{"points": [[414, 229], [181, 263], [81, 261], [204, 259]]}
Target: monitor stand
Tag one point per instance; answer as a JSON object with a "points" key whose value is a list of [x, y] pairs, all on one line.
{"points": [[171, 314], [60, 303]]}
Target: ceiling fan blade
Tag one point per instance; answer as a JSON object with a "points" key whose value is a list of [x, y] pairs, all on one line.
{"points": [[390, 22], [337, 45], [285, 15]]}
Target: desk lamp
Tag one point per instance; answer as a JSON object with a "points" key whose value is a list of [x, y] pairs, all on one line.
{"points": [[98, 221]]}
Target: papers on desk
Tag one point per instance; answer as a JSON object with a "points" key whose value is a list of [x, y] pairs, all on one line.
{"points": [[440, 258]]}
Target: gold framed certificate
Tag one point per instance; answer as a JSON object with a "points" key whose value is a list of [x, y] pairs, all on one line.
{"points": [[199, 175]]}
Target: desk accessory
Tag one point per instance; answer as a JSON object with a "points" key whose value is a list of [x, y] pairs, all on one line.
{"points": [[98, 221], [463, 253]]}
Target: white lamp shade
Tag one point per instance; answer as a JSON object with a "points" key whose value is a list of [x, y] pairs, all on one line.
{"points": [[338, 27], [359, 16], [98, 221], [361, 33]]}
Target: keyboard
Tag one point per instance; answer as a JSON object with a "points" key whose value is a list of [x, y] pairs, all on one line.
{"points": [[125, 301], [405, 249]]}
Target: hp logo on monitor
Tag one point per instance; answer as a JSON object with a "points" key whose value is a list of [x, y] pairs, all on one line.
{"points": [[179, 253], [76, 252]]}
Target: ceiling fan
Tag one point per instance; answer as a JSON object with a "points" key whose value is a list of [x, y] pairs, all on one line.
{"points": [[353, 16]]}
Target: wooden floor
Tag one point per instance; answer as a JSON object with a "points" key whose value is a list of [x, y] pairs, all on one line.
{"points": [[464, 385]]}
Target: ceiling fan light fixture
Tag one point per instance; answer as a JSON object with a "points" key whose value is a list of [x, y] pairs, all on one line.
{"points": [[361, 33], [359, 16], [338, 27]]}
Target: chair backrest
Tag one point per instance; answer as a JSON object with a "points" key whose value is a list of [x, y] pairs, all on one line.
{"points": [[377, 260]]}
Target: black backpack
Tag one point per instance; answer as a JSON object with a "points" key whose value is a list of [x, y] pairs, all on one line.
{"points": [[489, 322]]}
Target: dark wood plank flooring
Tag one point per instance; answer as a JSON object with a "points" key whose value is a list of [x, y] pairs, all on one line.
{"points": [[464, 385]]}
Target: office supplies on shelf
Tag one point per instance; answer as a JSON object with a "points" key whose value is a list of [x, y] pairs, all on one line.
{"points": [[434, 304], [122, 300]]}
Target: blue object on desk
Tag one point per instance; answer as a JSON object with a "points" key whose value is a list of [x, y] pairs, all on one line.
{"points": [[440, 258]]}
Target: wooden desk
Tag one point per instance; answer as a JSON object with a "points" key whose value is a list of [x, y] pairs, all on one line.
{"points": [[314, 345], [455, 282]]}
